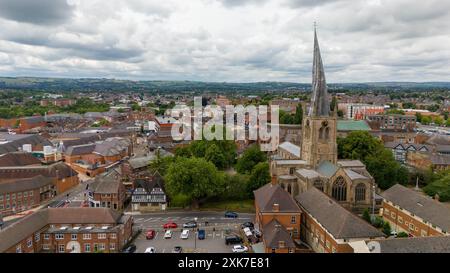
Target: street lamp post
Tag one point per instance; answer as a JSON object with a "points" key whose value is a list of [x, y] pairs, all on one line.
{"points": [[195, 234]]}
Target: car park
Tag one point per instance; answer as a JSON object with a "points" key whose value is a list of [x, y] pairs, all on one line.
{"points": [[248, 225], [150, 250], [239, 249], [130, 249], [168, 234], [184, 234], [170, 225], [231, 214], [248, 232], [201, 234], [233, 239], [177, 249], [190, 224]]}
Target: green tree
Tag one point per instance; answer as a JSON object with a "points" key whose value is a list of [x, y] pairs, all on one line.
{"points": [[379, 161], [193, 177], [259, 176], [438, 121], [439, 186], [366, 216], [418, 117], [426, 120], [402, 234], [298, 117], [252, 156], [387, 228], [215, 155]]}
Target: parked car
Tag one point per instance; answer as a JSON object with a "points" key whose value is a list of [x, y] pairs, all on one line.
{"points": [[150, 250], [233, 239], [150, 234], [184, 234], [201, 234], [130, 249], [168, 234], [177, 249], [231, 214], [239, 249], [248, 232], [248, 225], [190, 224], [170, 225]]}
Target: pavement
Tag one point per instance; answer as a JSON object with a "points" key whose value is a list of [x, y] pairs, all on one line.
{"points": [[218, 227]]}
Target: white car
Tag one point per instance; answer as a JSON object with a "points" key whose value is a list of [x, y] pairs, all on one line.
{"points": [[239, 249], [248, 232], [168, 234], [185, 234], [150, 250]]}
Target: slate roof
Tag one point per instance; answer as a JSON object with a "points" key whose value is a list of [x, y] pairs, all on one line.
{"points": [[437, 139], [327, 169], [416, 245], [351, 164], [80, 149], [291, 148], [354, 175], [14, 142], [26, 226], [308, 173], [440, 159], [105, 184], [337, 220], [18, 159], [274, 232], [59, 169], [270, 194], [423, 206], [25, 184]]}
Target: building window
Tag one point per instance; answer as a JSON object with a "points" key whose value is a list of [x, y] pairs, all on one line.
{"points": [[87, 247], [113, 236], [46, 236], [86, 236], [339, 191], [318, 184], [112, 246], [19, 249], [74, 237], [393, 215], [45, 247], [61, 248], [31, 193], [360, 192], [293, 220], [29, 243], [1, 197], [289, 189], [59, 236], [37, 237], [101, 246]]}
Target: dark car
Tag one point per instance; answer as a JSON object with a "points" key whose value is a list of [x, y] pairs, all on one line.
{"points": [[190, 224], [231, 214], [250, 225], [201, 234], [177, 249], [130, 249], [233, 239]]}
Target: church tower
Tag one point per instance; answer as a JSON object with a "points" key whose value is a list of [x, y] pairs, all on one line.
{"points": [[319, 126]]}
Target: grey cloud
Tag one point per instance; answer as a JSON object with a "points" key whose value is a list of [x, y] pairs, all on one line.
{"points": [[41, 12]]}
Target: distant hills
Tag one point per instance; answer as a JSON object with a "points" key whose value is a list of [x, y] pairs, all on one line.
{"points": [[114, 85]]}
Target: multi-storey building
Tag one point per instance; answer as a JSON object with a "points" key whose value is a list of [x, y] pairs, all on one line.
{"points": [[392, 122], [411, 212], [68, 230], [327, 227]]}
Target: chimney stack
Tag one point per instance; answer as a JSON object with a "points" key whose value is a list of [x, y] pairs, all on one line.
{"points": [[276, 207], [273, 181]]}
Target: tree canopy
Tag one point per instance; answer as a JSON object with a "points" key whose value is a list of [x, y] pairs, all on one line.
{"points": [[249, 159], [379, 161]]}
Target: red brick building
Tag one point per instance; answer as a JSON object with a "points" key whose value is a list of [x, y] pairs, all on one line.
{"points": [[414, 213], [68, 230]]}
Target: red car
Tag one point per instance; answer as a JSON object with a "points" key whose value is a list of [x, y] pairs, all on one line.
{"points": [[170, 225], [150, 234]]}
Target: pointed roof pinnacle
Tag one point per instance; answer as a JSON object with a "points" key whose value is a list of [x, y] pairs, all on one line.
{"points": [[320, 104]]}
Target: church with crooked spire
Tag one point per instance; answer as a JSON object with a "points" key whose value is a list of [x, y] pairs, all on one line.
{"points": [[315, 163]]}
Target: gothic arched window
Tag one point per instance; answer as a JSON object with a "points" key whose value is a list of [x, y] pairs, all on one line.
{"points": [[327, 133], [360, 192], [282, 186], [289, 190], [339, 190], [318, 184]]}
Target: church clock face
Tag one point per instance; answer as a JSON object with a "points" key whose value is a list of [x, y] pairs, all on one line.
{"points": [[325, 123]]}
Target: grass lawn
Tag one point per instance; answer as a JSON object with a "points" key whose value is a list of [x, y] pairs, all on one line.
{"points": [[238, 206]]}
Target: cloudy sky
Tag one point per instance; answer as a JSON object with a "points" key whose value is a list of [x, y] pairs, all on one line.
{"points": [[226, 40]]}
